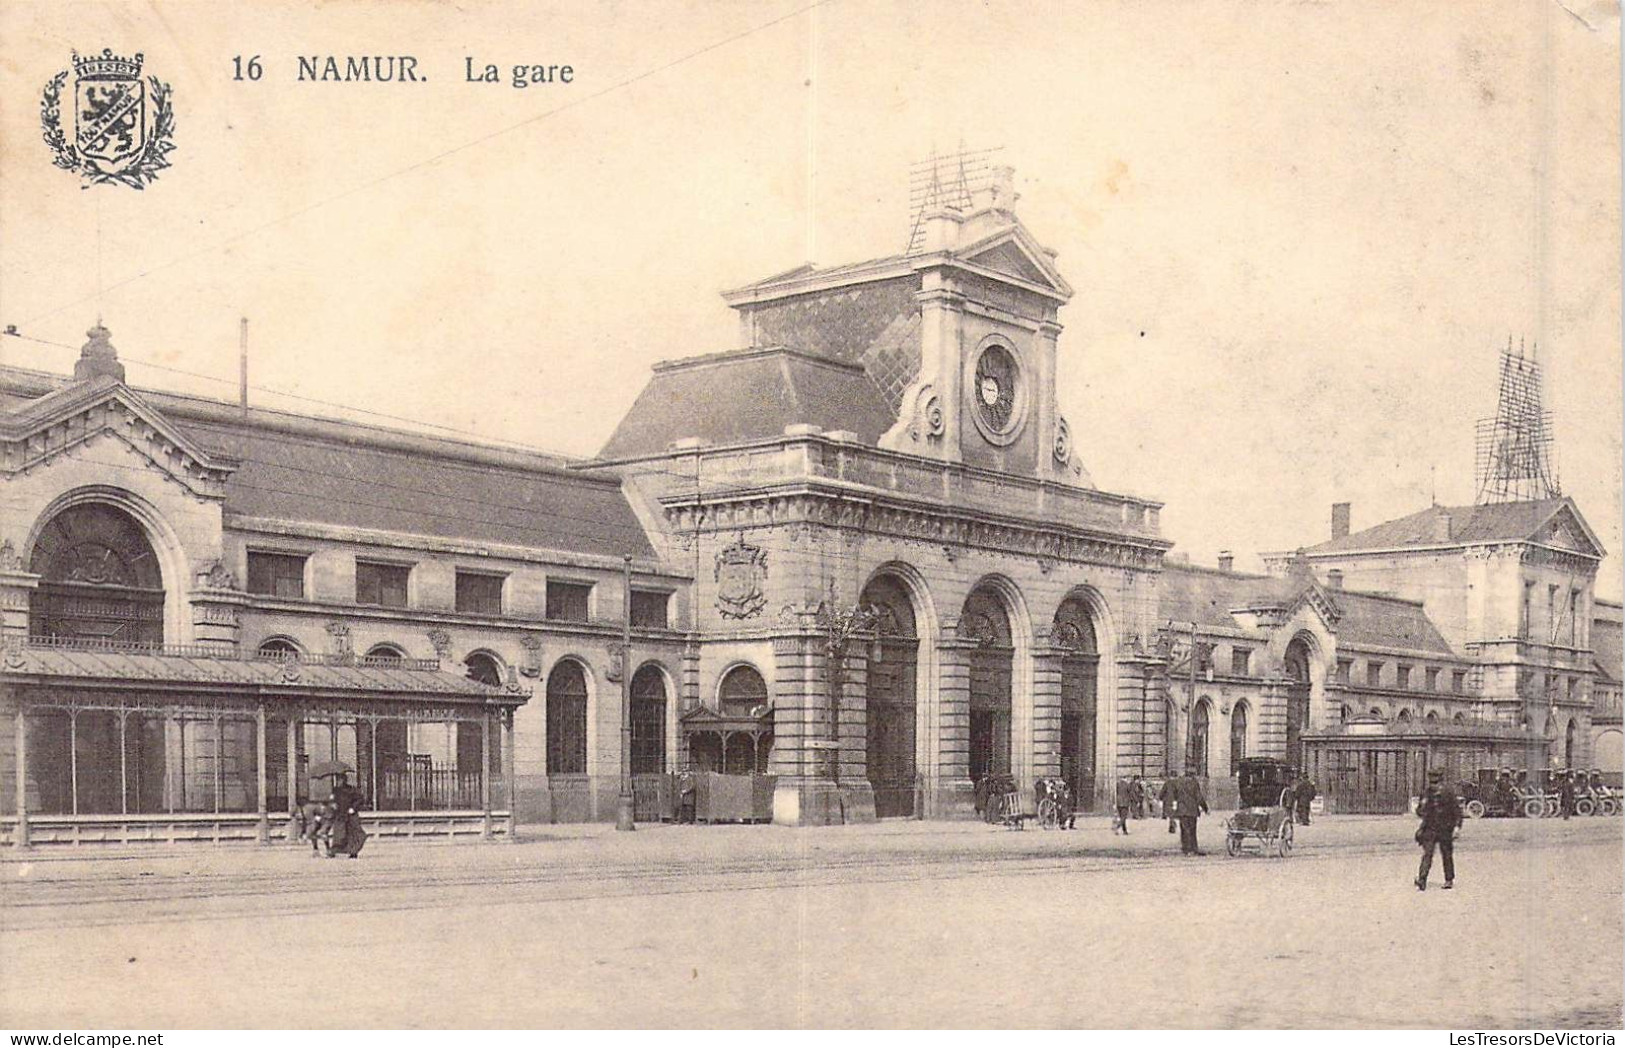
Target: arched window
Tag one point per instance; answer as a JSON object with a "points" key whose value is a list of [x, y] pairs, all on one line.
{"points": [[1344, 713], [742, 691], [1460, 718], [1433, 715], [648, 721], [1404, 716], [484, 668], [278, 648], [1200, 717], [567, 719], [1376, 711], [99, 578], [385, 651], [1238, 736]]}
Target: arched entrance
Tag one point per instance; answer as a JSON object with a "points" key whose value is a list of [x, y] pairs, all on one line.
{"points": [[1238, 737], [1074, 634], [567, 719], [648, 743], [1297, 699], [99, 578], [1201, 720], [891, 691], [991, 674]]}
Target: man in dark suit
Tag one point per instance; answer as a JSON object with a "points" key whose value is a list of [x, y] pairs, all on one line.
{"points": [[1440, 810], [1189, 804]]}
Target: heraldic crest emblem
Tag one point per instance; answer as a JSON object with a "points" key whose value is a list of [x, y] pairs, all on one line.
{"points": [[122, 127], [741, 568]]}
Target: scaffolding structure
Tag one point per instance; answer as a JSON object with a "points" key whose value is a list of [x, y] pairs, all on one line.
{"points": [[945, 180], [1514, 457]]}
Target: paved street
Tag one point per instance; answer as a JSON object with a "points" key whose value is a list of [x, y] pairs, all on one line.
{"points": [[902, 924]]}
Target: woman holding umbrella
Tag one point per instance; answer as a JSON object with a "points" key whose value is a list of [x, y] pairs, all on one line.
{"points": [[348, 834]]}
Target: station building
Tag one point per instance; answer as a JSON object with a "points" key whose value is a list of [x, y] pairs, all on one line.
{"points": [[859, 556]]}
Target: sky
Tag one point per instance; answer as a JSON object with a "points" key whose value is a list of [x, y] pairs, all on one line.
{"points": [[1299, 233]]}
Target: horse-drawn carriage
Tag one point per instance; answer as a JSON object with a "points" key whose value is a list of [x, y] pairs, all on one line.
{"points": [[1266, 808]]}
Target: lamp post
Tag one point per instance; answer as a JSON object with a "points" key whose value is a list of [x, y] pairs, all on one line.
{"points": [[1194, 655], [623, 804]]}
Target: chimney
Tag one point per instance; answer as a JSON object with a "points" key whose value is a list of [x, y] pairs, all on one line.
{"points": [[1441, 527], [1340, 520], [1334, 579], [1227, 560], [98, 357]]}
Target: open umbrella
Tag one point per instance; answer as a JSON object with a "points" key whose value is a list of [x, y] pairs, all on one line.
{"points": [[325, 769]]}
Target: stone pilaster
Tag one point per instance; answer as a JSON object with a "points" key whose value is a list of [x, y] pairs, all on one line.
{"points": [[1141, 728], [1046, 710], [948, 790], [1272, 700], [857, 794], [804, 794], [16, 591]]}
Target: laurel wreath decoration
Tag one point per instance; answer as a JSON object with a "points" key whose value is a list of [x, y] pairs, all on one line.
{"points": [[138, 174]]}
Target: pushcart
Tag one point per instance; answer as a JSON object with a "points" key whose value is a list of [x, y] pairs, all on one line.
{"points": [[1266, 812]]}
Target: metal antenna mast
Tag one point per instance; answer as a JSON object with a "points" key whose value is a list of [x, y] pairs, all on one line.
{"points": [[1514, 458], [945, 180]]}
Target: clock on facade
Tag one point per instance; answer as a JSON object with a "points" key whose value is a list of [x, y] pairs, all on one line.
{"points": [[995, 389]]}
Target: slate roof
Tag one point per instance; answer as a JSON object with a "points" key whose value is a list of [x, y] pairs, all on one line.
{"points": [[293, 476], [747, 395], [262, 676], [335, 471], [1207, 596], [1499, 521]]}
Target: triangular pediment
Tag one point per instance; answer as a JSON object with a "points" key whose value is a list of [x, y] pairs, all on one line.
{"points": [[1567, 530], [70, 418], [1014, 254]]}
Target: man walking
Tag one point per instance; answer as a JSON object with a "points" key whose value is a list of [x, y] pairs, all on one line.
{"points": [[1190, 802], [1302, 796], [1565, 793], [1440, 810], [1167, 801], [1125, 800]]}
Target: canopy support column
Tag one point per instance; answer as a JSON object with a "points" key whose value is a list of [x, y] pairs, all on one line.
{"points": [[511, 776], [19, 837], [264, 834], [485, 773]]}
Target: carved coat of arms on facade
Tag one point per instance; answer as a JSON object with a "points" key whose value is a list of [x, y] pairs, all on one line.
{"points": [[741, 570]]}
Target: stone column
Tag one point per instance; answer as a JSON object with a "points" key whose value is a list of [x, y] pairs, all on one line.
{"points": [[948, 790], [857, 793], [1046, 709], [804, 795]]}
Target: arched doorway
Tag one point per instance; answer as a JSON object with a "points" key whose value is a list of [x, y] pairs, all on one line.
{"points": [[1238, 736], [649, 785], [99, 578], [891, 690], [1201, 719], [1297, 699], [991, 673], [1074, 634]]}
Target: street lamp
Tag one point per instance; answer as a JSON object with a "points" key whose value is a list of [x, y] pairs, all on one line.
{"points": [[1187, 654], [623, 804]]}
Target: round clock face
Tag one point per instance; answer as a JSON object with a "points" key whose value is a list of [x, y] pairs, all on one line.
{"points": [[996, 388]]}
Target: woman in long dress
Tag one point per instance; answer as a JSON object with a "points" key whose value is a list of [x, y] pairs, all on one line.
{"points": [[348, 835]]}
